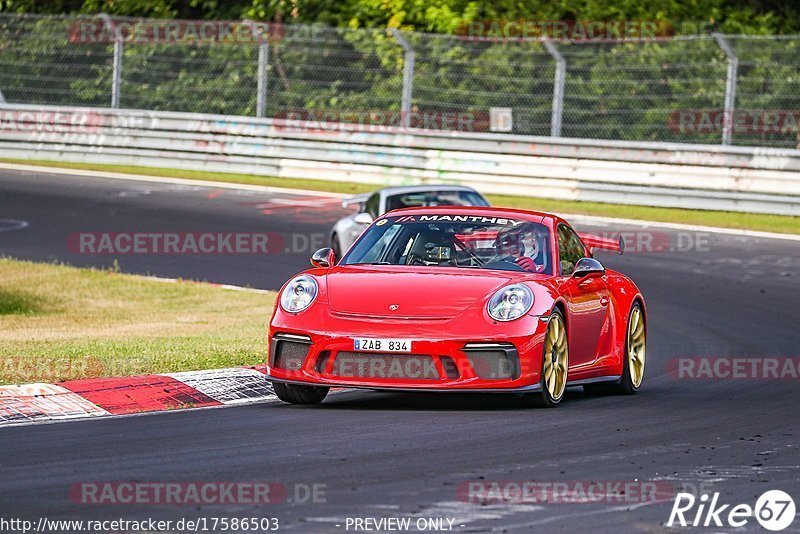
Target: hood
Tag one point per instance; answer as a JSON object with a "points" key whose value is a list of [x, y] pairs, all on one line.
{"points": [[424, 293]]}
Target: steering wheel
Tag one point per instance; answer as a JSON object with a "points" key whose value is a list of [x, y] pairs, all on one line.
{"points": [[506, 263], [473, 258]]}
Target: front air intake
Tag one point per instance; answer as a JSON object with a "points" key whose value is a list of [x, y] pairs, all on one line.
{"points": [[450, 367], [493, 361], [289, 351]]}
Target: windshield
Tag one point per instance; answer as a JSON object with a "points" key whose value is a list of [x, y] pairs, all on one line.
{"points": [[455, 241], [434, 198]]}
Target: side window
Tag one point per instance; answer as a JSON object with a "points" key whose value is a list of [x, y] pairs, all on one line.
{"points": [[570, 249], [372, 205], [395, 202]]}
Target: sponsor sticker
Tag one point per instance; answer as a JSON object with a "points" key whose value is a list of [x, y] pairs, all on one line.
{"points": [[500, 221]]}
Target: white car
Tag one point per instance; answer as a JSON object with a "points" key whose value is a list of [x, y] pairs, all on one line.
{"points": [[371, 205]]}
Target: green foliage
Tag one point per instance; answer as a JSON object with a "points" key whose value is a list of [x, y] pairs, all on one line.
{"points": [[337, 56], [40, 65], [131, 8], [446, 16]]}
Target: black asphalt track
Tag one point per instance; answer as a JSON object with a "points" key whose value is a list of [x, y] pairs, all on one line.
{"points": [[392, 455]]}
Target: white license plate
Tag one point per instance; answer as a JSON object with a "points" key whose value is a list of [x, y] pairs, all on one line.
{"points": [[381, 345]]}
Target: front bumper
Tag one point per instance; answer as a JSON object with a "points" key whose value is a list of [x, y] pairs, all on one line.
{"points": [[505, 358]]}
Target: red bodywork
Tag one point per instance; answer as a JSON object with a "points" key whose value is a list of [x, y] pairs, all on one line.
{"points": [[444, 311]]}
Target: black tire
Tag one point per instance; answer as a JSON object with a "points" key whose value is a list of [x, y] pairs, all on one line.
{"points": [[336, 246], [625, 385], [295, 394], [544, 398]]}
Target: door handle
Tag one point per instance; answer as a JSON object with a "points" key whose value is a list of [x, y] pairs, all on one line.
{"points": [[604, 301]]}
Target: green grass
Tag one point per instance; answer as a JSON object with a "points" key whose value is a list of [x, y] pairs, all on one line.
{"points": [[724, 219], [15, 302], [60, 323]]}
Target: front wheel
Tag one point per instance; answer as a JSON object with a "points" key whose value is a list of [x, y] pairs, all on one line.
{"points": [[296, 394], [555, 361]]}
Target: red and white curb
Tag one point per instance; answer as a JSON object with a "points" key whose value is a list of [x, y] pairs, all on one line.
{"points": [[98, 397]]}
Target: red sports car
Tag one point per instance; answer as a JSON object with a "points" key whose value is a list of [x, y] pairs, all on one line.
{"points": [[462, 299]]}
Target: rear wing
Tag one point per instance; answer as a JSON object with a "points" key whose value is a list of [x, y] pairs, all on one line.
{"points": [[595, 241], [358, 199]]}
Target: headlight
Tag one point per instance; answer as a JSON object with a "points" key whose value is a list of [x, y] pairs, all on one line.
{"points": [[511, 302], [299, 294]]}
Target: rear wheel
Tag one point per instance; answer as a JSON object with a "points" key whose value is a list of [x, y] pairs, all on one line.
{"points": [[296, 394], [336, 246], [635, 353], [555, 361]]}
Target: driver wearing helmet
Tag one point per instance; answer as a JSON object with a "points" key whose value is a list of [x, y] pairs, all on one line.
{"points": [[509, 246]]}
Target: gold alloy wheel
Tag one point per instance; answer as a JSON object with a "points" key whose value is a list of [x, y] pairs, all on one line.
{"points": [[555, 357], [636, 346]]}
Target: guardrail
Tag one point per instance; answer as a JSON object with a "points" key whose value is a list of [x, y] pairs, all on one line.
{"points": [[714, 177]]}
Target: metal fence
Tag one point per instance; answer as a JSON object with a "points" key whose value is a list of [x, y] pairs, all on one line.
{"points": [[740, 90]]}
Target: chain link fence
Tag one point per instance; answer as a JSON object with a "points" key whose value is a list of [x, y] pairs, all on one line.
{"points": [[740, 90]]}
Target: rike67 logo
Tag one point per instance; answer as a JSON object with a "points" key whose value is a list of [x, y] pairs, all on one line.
{"points": [[774, 510]]}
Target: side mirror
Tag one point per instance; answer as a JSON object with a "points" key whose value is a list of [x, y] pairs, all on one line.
{"points": [[588, 268], [363, 218], [324, 258]]}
